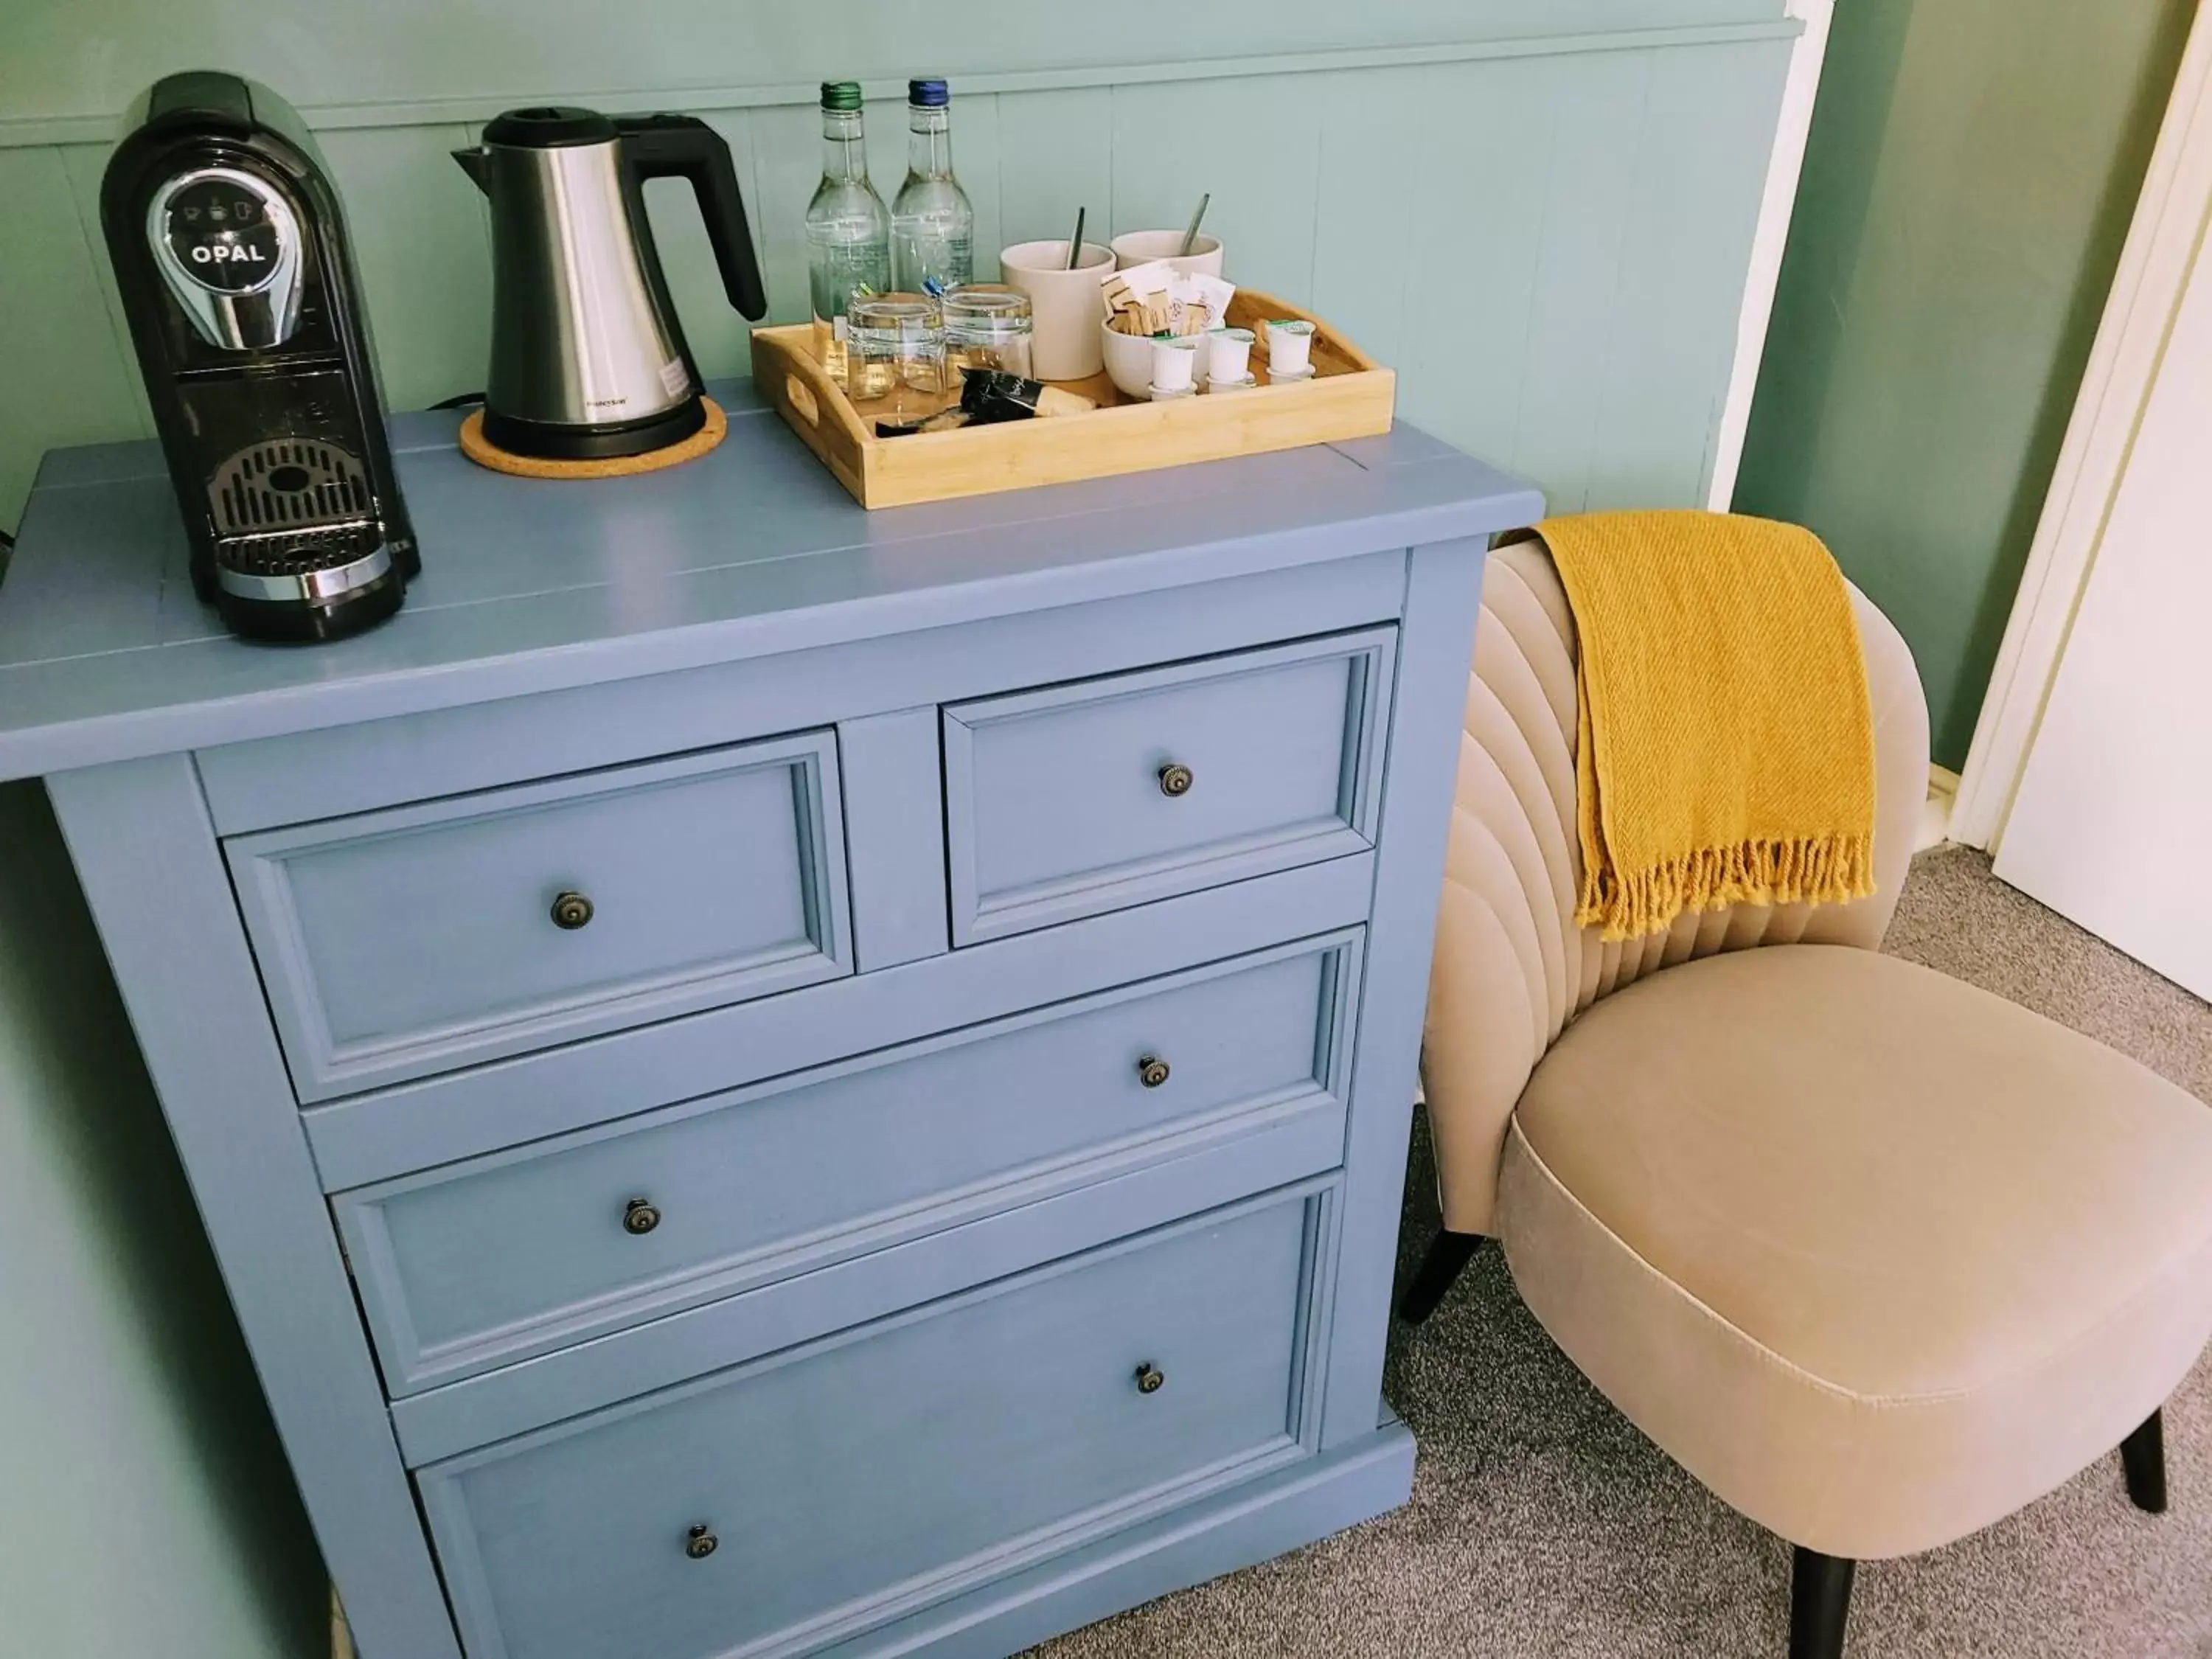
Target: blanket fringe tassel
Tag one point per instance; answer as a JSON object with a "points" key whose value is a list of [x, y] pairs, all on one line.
{"points": [[1816, 870]]}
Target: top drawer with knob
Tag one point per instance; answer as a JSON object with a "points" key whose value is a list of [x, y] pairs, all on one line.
{"points": [[396, 943], [1077, 798]]}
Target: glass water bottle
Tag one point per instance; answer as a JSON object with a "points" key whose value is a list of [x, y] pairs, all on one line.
{"points": [[849, 231], [932, 225]]}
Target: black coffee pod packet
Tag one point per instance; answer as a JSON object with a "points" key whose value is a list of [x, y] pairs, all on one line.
{"points": [[991, 395]]}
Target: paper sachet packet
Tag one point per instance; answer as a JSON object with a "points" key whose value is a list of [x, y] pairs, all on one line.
{"points": [[1155, 298]]}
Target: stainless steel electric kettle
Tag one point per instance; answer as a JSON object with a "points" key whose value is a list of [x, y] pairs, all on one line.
{"points": [[588, 361]]}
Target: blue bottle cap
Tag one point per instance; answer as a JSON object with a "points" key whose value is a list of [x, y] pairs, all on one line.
{"points": [[928, 94]]}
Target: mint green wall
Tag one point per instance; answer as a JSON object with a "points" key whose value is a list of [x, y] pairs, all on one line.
{"points": [[1968, 182], [144, 1506], [1540, 214]]}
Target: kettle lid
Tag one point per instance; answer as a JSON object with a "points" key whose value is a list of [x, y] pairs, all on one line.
{"points": [[549, 126]]}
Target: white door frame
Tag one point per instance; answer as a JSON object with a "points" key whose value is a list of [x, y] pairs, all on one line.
{"points": [[1783, 164], [2155, 266]]}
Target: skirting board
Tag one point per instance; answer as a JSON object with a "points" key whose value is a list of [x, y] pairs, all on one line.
{"points": [[1936, 811], [1239, 1528]]}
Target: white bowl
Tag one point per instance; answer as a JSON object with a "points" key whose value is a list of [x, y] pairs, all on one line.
{"points": [[1129, 361]]}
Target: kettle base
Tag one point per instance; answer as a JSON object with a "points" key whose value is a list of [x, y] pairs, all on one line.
{"points": [[551, 441], [484, 453]]}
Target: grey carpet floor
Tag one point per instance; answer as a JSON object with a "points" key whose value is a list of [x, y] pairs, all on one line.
{"points": [[1542, 1524]]}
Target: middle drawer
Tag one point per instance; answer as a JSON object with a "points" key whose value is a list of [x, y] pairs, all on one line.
{"points": [[478, 1264]]}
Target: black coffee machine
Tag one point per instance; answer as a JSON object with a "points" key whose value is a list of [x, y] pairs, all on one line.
{"points": [[238, 280]]}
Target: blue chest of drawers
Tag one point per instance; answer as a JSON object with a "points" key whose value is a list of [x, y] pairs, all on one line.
{"points": [[767, 1079]]}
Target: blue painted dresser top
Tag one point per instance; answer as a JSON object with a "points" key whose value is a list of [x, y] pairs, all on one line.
{"points": [[532, 587], [534, 584]]}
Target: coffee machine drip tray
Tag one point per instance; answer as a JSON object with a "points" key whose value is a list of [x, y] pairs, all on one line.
{"points": [[315, 566], [294, 524], [294, 482]]}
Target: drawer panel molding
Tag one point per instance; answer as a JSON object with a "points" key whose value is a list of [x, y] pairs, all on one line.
{"points": [[1077, 799], [482, 1263], [1292, 1144], [399, 943], [364, 1138], [801, 1499]]}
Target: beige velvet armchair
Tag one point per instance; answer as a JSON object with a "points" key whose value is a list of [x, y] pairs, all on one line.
{"points": [[1876, 1256]]}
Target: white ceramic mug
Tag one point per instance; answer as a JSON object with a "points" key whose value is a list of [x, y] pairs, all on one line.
{"points": [[1140, 248], [1065, 304]]}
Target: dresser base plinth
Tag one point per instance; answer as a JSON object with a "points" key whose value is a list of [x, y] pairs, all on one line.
{"points": [[1240, 1528]]}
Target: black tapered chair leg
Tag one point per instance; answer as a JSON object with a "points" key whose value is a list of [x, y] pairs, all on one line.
{"points": [[1819, 1604], [1440, 1268], [2142, 1454]]}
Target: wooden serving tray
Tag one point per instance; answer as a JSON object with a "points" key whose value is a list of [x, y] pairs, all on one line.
{"points": [[1349, 397]]}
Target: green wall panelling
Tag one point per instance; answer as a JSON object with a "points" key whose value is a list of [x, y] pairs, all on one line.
{"points": [[1567, 304], [424, 253], [1375, 172], [719, 336], [66, 381], [1969, 180], [1682, 261], [1255, 142], [1596, 122], [1580, 206], [1462, 318], [87, 58], [787, 146], [85, 164], [1055, 155]]}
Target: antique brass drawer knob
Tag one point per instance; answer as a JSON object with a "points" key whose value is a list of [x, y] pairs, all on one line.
{"points": [[1151, 1070], [1176, 779], [700, 1542], [640, 1216], [1149, 1379], [571, 911]]}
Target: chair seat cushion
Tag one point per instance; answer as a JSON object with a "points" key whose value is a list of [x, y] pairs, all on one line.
{"points": [[1876, 1255]]}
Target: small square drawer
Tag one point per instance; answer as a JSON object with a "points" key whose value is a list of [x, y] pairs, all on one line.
{"points": [[800, 1499], [476, 1265], [400, 943], [1079, 798]]}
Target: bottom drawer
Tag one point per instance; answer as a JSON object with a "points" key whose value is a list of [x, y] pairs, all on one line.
{"points": [[856, 1477]]}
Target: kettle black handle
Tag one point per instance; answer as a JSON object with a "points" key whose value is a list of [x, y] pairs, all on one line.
{"points": [[684, 147]]}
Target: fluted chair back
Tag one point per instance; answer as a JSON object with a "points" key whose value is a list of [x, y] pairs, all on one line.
{"points": [[1512, 966]]}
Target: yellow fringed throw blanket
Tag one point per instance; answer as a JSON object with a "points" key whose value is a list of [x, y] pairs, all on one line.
{"points": [[1726, 750]]}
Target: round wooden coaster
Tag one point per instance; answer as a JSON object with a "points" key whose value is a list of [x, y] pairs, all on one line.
{"points": [[483, 453]]}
